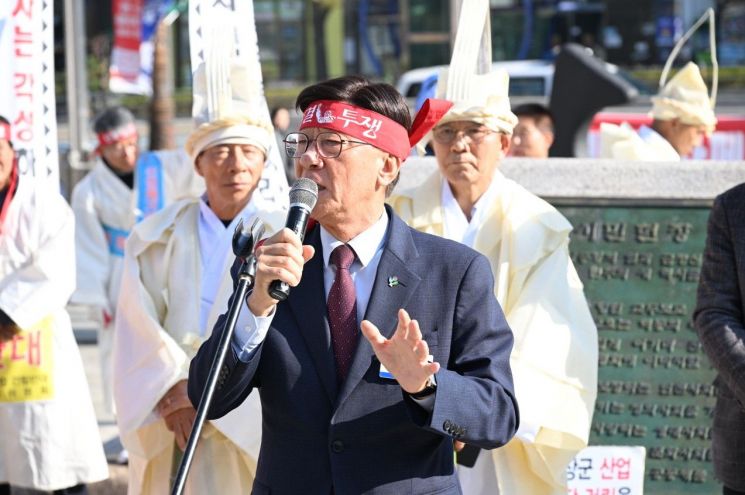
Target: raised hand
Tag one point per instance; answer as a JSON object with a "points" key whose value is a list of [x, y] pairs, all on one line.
{"points": [[405, 354]]}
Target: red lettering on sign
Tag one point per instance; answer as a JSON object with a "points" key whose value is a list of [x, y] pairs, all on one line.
{"points": [[23, 7], [14, 354], [34, 348]]}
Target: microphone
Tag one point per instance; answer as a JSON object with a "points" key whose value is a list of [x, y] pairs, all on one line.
{"points": [[245, 237], [303, 197]]}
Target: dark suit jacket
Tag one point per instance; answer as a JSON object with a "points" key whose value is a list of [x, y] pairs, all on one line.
{"points": [[719, 321], [366, 435]]}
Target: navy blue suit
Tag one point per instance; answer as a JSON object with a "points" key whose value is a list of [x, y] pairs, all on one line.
{"points": [[366, 435]]}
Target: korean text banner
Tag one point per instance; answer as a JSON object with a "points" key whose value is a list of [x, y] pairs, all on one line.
{"points": [[27, 86]]}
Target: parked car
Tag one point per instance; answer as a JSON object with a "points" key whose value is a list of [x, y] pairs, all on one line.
{"points": [[527, 78]]}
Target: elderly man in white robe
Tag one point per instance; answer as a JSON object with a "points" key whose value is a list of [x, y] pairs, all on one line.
{"points": [[123, 187], [50, 438], [554, 360], [682, 111], [175, 283], [682, 115]]}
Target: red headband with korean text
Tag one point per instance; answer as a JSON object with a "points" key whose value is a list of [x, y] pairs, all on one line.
{"points": [[115, 135], [4, 131], [372, 127]]}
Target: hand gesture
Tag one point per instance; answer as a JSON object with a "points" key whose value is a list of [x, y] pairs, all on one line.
{"points": [[405, 354], [177, 411], [281, 257]]}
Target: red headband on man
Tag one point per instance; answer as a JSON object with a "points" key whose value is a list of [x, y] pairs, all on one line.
{"points": [[4, 131], [372, 127], [115, 135]]}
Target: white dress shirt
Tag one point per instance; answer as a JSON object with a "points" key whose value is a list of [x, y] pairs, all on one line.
{"points": [[251, 330], [456, 226]]}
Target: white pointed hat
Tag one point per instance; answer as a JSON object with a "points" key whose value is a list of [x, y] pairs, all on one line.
{"points": [[685, 96], [228, 104], [478, 93]]}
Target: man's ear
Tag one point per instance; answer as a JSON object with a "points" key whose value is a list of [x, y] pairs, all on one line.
{"points": [[549, 135], [198, 164], [506, 140], [390, 169]]}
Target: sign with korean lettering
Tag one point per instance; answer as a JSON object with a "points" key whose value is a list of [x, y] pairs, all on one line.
{"points": [[26, 362], [640, 266], [610, 470], [135, 24], [27, 86]]}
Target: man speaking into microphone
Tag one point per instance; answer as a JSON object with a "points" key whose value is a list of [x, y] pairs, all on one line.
{"points": [[390, 345]]}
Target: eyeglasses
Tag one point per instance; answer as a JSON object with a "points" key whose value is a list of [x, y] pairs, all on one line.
{"points": [[446, 135], [328, 144]]}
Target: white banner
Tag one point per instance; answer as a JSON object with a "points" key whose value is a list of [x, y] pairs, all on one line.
{"points": [[607, 470], [237, 16], [27, 86]]}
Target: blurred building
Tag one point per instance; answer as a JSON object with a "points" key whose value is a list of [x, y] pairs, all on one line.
{"points": [[308, 40]]}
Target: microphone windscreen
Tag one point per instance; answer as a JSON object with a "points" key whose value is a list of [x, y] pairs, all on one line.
{"points": [[304, 193]]}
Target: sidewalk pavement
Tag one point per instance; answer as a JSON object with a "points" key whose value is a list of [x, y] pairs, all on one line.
{"points": [[117, 482]]}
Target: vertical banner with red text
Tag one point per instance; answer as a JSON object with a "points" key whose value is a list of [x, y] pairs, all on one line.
{"points": [[135, 23], [27, 86], [125, 75], [237, 18]]}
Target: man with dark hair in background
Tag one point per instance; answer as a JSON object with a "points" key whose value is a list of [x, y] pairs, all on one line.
{"points": [[534, 132]]}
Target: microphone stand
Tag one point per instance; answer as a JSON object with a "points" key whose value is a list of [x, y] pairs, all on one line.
{"points": [[243, 247]]}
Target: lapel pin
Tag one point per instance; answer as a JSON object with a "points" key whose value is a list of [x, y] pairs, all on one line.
{"points": [[393, 281]]}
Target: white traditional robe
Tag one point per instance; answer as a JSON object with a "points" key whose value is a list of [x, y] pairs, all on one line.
{"points": [[105, 212], [554, 359], [621, 142], [166, 277], [50, 443]]}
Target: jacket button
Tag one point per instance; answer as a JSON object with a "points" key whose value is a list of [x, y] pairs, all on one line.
{"points": [[337, 446]]}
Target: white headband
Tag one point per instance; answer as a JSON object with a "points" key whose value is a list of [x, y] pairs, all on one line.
{"points": [[206, 137]]}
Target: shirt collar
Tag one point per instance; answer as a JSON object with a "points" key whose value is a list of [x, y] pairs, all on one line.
{"points": [[365, 244], [214, 222], [487, 199]]}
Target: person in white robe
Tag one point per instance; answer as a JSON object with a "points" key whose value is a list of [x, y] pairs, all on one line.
{"points": [[50, 438], [682, 115], [124, 187], [682, 112], [554, 359], [175, 283]]}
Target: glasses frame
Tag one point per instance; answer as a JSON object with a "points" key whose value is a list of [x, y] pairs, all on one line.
{"points": [[342, 142], [455, 138]]}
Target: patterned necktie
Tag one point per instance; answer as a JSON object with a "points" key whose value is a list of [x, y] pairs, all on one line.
{"points": [[342, 308]]}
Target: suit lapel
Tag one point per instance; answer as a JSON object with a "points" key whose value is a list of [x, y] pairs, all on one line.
{"points": [[308, 303], [394, 284]]}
